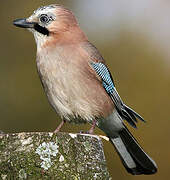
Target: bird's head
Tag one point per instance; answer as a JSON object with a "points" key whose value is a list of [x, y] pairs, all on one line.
{"points": [[51, 23]]}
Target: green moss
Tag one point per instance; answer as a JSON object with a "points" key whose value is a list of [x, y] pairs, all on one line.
{"points": [[83, 157]]}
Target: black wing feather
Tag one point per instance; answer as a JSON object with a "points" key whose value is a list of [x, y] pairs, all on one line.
{"points": [[124, 111]]}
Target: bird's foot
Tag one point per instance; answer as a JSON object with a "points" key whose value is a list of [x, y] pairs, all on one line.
{"points": [[59, 126], [91, 130]]}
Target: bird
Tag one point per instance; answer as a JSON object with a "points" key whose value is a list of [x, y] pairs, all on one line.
{"points": [[79, 85]]}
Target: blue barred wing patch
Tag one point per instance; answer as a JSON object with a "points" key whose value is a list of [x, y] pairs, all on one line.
{"points": [[104, 73], [125, 112]]}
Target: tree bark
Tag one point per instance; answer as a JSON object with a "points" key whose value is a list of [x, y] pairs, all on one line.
{"points": [[52, 156]]}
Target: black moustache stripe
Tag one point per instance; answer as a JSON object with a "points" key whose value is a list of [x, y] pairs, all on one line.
{"points": [[41, 29]]}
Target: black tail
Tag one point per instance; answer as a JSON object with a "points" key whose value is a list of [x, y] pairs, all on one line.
{"points": [[135, 160]]}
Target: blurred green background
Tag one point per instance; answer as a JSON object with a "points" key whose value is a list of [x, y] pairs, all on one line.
{"points": [[133, 37]]}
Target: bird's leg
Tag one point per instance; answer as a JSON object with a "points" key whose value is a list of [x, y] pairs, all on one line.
{"points": [[91, 130], [59, 126]]}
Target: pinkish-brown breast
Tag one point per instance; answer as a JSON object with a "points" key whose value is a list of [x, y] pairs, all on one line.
{"points": [[71, 85]]}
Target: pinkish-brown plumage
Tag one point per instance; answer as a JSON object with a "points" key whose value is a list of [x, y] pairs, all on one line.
{"points": [[77, 91], [63, 61], [79, 85]]}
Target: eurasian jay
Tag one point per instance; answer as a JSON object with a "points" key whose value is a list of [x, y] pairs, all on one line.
{"points": [[79, 85]]}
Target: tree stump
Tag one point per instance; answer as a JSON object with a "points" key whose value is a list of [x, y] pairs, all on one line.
{"points": [[52, 156]]}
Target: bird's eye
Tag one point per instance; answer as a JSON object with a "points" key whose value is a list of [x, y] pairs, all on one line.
{"points": [[44, 18]]}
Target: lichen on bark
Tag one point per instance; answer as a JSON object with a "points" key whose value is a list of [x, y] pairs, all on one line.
{"points": [[52, 156]]}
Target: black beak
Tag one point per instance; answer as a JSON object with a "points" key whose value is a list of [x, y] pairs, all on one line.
{"points": [[23, 23]]}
